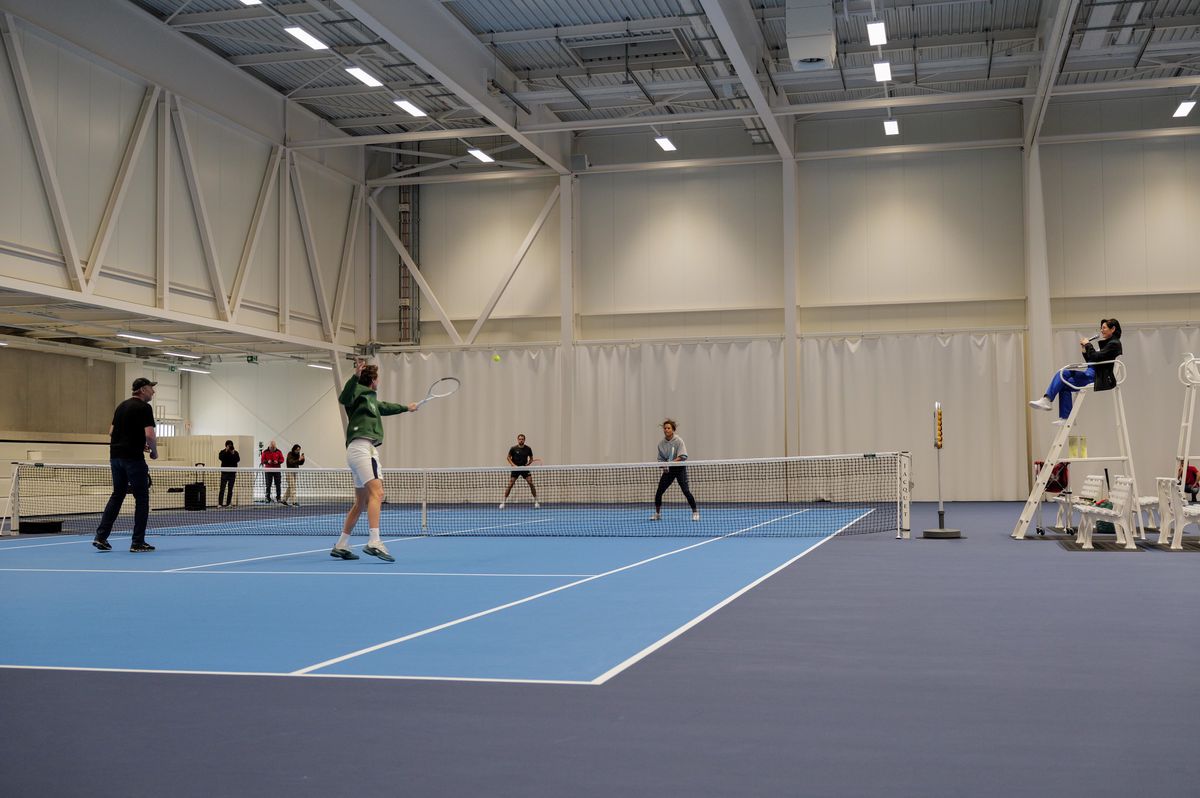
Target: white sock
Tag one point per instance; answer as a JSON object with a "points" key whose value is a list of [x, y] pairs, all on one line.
{"points": [[374, 540], [343, 542]]}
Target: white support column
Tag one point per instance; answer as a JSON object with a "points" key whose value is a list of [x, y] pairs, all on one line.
{"points": [[285, 265], [568, 198], [1039, 340], [162, 248], [373, 277], [251, 243], [116, 197], [208, 244], [791, 265], [310, 251], [516, 262], [41, 152], [419, 278]]}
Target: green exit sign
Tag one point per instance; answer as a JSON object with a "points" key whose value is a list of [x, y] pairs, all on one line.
{"points": [[251, 358]]}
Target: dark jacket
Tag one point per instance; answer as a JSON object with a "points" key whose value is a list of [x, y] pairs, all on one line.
{"points": [[1108, 350]]}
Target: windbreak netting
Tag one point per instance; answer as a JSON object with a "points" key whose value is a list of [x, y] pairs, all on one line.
{"points": [[777, 497]]}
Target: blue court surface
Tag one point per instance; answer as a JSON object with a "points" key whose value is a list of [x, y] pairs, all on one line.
{"points": [[574, 610]]}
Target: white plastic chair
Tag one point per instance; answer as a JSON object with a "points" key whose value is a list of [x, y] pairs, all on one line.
{"points": [[1167, 487], [1120, 516], [1181, 516], [1090, 492]]}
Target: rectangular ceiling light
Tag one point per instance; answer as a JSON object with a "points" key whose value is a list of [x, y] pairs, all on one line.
{"points": [[182, 355], [194, 371], [883, 71], [665, 143], [320, 366], [145, 338], [3, 343], [407, 106], [876, 34], [307, 38], [252, 2], [364, 76], [891, 127], [1184, 108], [480, 155]]}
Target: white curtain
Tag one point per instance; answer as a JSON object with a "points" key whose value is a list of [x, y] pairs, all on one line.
{"points": [[726, 396], [1153, 397], [876, 393], [477, 425]]}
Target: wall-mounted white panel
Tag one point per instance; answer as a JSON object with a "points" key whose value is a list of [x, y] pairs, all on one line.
{"points": [[469, 235], [942, 226], [702, 239], [262, 284], [1120, 217], [329, 208]]}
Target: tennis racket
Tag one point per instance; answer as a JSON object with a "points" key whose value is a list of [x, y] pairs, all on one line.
{"points": [[441, 389], [536, 461]]}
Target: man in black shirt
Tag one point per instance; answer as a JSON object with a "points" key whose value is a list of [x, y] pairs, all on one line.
{"points": [[229, 458], [520, 455], [131, 434]]}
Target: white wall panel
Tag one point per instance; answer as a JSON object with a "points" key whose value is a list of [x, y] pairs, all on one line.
{"points": [[1123, 217], [918, 228], [24, 211]]}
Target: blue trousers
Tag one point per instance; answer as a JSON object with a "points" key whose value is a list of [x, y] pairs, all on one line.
{"points": [[1065, 393], [129, 476]]}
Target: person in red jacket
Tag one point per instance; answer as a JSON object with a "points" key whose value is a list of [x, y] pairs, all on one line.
{"points": [[271, 460], [1191, 483]]}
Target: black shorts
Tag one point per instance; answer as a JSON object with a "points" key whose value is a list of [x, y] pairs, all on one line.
{"points": [[524, 474]]}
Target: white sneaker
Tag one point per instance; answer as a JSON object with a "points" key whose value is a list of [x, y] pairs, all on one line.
{"points": [[501, 505], [537, 506], [655, 517], [1041, 404], [1059, 422], [696, 516]]}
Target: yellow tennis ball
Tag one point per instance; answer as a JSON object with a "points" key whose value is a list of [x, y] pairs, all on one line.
{"points": [[495, 358]]}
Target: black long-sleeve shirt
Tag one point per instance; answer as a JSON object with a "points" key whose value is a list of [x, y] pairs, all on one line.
{"points": [[1098, 352]]}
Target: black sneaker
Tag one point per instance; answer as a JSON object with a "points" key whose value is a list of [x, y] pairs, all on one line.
{"points": [[342, 554], [102, 545], [141, 547]]}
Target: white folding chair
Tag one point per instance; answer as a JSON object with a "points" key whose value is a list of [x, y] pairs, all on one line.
{"points": [[1166, 508], [1182, 515], [1120, 516]]}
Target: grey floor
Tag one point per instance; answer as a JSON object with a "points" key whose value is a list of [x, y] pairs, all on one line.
{"points": [[873, 667]]}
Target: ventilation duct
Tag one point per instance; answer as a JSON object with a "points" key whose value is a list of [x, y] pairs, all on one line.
{"points": [[810, 34]]}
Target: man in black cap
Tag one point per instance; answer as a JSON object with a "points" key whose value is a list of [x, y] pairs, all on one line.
{"points": [[131, 434]]}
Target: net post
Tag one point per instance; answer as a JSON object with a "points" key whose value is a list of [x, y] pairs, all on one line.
{"points": [[904, 498], [424, 501], [14, 509]]}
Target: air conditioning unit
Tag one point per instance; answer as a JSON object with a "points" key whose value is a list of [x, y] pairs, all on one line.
{"points": [[580, 163], [810, 40]]}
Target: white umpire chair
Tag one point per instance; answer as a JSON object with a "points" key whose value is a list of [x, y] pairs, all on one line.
{"points": [[1125, 458]]}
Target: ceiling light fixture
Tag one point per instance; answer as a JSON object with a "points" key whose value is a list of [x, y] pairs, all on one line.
{"points": [[194, 371], [307, 38], [319, 366], [365, 76], [876, 34], [883, 71], [135, 337], [407, 106], [665, 143], [891, 127], [182, 355], [1184, 109], [480, 155]]}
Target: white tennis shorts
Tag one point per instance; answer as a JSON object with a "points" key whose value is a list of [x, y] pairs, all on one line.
{"points": [[363, 460]]}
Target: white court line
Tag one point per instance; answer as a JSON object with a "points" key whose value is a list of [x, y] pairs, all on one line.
{"points": [[272, 573], [356, 545], [39, 545], [655, 646], [509, 605], [295, 675]]}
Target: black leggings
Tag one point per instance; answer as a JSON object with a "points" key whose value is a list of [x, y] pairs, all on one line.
{"points": [[227, 480], [671, 475]]}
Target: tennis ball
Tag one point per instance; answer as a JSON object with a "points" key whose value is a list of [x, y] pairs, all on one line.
{"points": [[495, 358]]}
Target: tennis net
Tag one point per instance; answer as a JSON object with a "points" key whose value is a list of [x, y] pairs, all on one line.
{"points": [[776, 497]]}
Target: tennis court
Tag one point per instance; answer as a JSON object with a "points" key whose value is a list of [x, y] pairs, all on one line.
{"points": [[531, 608]]}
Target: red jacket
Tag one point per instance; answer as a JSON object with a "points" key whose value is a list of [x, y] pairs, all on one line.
{"points": [[272, 458]]}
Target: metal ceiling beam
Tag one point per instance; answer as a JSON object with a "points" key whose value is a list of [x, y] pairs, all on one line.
{"points": [[742, 39], [430, 36], [1057, 39], [244, 14], [395, 138], [296, 56]]}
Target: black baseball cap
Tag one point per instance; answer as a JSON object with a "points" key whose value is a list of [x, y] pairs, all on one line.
{"points": [[142, 382]]}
